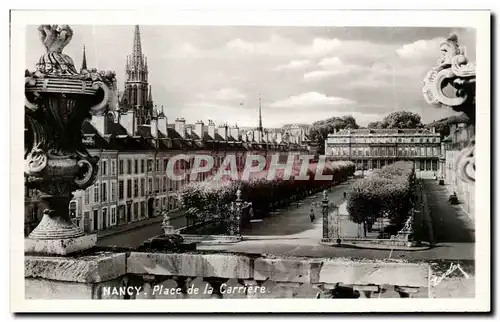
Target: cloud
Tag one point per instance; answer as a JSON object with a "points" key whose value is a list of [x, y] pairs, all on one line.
{"points": [[225, 94], [275, 46], [331, 66], [185, 50], [420, 49], [293, 64], [311, 99], [320, 47]]}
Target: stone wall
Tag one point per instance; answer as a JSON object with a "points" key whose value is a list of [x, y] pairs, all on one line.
{"points": [[465, 190], [137, 275]]}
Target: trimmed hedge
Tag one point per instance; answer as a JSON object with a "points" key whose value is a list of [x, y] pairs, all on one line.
{"points": [[212, 196], [389, 190]]}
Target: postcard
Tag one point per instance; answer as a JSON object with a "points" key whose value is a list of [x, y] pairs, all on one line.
{"points": [[236, 161]]}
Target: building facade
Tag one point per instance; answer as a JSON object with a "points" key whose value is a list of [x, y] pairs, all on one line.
{"points": [[374, 148], [459, 138], [135, 142]]}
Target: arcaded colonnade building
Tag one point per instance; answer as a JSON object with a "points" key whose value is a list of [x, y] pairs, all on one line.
{"points": [[374, 148]]}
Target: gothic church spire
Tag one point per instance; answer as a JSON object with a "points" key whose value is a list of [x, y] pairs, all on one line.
{"points": [[84, 60]]}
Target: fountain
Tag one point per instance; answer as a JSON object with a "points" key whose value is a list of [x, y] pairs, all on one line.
{"points": [[57, 101]]}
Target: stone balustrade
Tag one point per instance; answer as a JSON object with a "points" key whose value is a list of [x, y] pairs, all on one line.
{"points": [[141, 275]]}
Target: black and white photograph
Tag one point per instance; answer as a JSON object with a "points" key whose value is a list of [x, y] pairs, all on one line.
{"points": [[305, 160]]}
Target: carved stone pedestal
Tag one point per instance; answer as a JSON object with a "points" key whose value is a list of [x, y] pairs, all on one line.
{"points": [[63, 246]]}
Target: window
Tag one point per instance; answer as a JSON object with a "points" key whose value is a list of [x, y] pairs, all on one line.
{"points": [[143, 183], [136, 166], [104, 217], [434, 165], [104, 192], [157, 184], [422, 152], [142, 166], [407, 151], [113, 191], [136, 210], [422, 165], [157, 204], [164, 184], [436, 151], [400, 151], [143, 208], [113, 215], [120, 167], [129, 188], [72, 209], [150, 185], [96, 193], [165, 164], [129, 166], [429, 151], [104, 167], [95, 219], [164, 203], [157, 165], [121, 190], [113, 167], [150, 165], [136, 187], [87, 196]]}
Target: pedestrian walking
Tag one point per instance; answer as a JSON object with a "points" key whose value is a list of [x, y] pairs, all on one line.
{"points": [[345, 194], [311, 214]]}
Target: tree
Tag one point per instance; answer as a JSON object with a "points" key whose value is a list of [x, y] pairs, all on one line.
{"points": [[320, 129], [402, 120], [375, 125]]}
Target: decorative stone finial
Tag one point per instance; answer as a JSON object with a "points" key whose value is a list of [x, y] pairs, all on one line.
{"points": [[454, 69], [58, 99]]}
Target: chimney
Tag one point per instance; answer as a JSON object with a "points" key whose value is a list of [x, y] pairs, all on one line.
{"points": [[235, 133], [127, 121], [256, 136], [189, 131], [99, 123], [180, 127], [154, 128], [222, 130], [433, 129], [279, 137], [211, 129], [199, 129], [162, 124]]}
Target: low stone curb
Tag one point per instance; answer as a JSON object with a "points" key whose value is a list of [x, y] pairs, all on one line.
{"points": [[377, 247]]}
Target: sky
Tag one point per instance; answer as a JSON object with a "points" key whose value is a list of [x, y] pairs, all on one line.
{"points": [[303, 74]]}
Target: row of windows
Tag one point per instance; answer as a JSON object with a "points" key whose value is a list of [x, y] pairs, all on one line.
{"points": [[139, 166], [384, 140], [384, 151], [132, 188], [422, 165], [108, 216]]}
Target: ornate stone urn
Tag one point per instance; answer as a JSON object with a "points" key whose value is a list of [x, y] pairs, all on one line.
{"points": [[57, 101], [452, 84]]}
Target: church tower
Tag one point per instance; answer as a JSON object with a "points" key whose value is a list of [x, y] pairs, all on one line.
{"points": [[137, 94]]}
